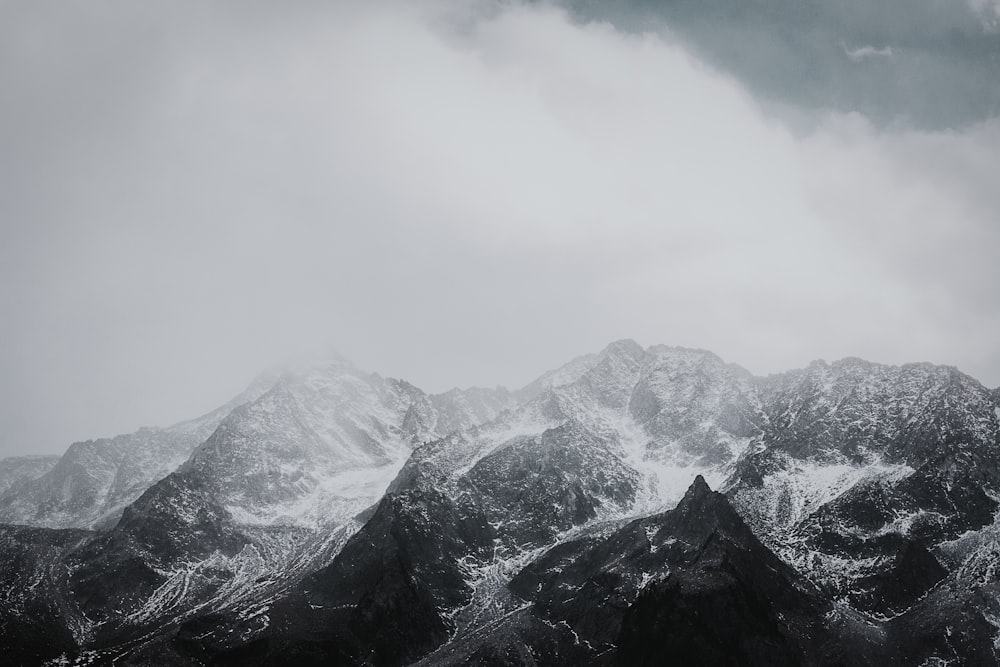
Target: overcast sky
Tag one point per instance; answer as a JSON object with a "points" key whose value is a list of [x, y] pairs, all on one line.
{"points": [[468, 193]]}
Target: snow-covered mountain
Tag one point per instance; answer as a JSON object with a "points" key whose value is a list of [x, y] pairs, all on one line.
{"points": [[863, 470], [345, 518], [21, 469], [270, 494], [95, 480], [651, 420]]}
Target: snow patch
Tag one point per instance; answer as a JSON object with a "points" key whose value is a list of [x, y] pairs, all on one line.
{"points": [[799, 488], [331, 497], [665, 474]]}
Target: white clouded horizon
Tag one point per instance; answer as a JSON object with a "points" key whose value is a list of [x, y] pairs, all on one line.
{"points": [[453, 194]]}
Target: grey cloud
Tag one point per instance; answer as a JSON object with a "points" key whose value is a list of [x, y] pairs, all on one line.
{"points": [[808, 53], [451, 193]]}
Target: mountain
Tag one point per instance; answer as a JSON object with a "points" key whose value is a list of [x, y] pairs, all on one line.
{"points": [[268, 496], [95, 480], [90, 485], [672, 586], [864, 473], [37, 622], [20, 469], [692, 584], [602, 441], [340, 517]]}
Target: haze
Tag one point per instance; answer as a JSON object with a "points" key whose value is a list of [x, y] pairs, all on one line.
{"points": [[472, 193]]}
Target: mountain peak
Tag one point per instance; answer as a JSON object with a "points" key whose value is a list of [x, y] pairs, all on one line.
{"points": [[702, 511], [625, 347], [697, 498], [699, 487]]}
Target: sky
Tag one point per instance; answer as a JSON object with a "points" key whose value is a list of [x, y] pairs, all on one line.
{"points": [[471, 193]]}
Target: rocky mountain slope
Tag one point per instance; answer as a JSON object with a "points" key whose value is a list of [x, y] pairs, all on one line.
{"points": [[345, 518], [94, 480], [864, 472], [20, 469], [268, 496]]}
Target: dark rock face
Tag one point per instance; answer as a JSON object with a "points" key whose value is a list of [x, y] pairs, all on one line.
{"points": [[906, 573], [692, 585], [712, 616], [398, 588], [536, 487], [37, 624], [118, 571], [380, 601]]}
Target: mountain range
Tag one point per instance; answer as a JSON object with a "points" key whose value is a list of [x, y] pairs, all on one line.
{"points": [[328, 515]]}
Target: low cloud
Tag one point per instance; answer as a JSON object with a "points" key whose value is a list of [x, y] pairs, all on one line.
{"points": [[447, 192]]}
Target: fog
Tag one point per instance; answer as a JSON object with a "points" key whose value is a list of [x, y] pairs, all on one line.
{"points": [[457, 194]]}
